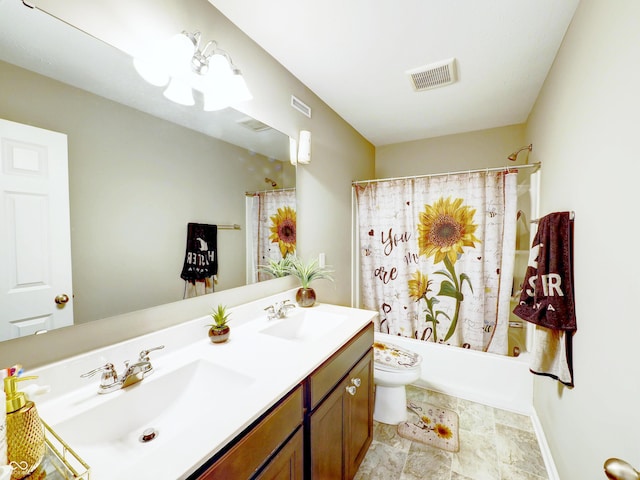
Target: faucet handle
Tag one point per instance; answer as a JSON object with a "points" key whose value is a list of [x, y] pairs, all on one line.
{"points": [[144, 354], [109, 376], [107, 368]]}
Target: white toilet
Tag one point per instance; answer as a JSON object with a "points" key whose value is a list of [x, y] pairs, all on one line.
{"points": [[394, 368]]}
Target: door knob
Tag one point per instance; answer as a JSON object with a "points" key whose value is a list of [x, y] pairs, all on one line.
{"points": [[351, 390], [62, 299], [616, 469], [356, 381]]}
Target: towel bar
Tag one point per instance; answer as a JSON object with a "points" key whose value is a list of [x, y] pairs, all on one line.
{"points": [[572, 215]]}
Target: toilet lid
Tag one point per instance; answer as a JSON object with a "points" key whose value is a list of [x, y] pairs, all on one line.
{"points": [[390, 355]]}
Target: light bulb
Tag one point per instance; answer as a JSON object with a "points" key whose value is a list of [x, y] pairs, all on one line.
{"points": [[179, 92], [239, 90], [177, 55]]}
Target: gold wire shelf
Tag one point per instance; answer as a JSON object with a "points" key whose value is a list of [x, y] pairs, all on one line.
{"points": [[60, 461]]}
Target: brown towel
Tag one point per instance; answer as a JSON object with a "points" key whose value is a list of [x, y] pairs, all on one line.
{"points": [[547, 298]]}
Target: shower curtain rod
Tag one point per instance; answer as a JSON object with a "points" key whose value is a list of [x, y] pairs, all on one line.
{"points": [[492, 169], [253, 194]]}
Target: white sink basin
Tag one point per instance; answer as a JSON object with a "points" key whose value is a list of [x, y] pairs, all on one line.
{"points": [[302, 325], [108, 436]]}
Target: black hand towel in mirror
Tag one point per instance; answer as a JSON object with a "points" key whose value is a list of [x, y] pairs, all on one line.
{"points": [[201, 257]]}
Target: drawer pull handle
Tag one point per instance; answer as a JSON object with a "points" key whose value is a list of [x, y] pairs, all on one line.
{"points": [[356, 382], [351, 390]]}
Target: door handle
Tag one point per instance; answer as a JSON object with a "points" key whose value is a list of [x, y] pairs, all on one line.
{"points": [[62, 299], [616, 469]]}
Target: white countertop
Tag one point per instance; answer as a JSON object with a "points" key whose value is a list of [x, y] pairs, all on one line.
{"points": [[269, 366]]}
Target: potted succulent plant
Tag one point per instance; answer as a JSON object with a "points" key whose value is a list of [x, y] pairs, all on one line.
{"points": [[219, 330], [307, 272]]}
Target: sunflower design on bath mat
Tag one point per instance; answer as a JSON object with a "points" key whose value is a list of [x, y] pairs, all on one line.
{"points": [[283, 230], [434, 426]]}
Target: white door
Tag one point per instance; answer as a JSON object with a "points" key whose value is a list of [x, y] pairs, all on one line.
{"points": [[35, 244]]}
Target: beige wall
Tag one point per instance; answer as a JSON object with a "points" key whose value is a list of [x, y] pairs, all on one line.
{"points": [[339, 155], [450, 153], [585, 128], [135, 181]]}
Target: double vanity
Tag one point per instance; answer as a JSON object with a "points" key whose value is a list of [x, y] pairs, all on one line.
{"points": [[284, 398]]}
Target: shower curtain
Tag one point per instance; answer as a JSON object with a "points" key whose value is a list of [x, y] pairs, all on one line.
{"points": [[271, 217], [436, 256]]}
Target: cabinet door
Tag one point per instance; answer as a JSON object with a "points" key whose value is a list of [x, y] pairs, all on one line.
{"points": [[255, 447], [326, 437], [358, 415], [288, 463], [341, 428]]}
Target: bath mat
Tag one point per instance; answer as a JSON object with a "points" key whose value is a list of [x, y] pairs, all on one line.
{"points": [[434, 426]]}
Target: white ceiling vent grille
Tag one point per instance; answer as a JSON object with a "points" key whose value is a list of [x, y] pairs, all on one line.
{"points": [[300, 106], [253, 124], [432, 76]]}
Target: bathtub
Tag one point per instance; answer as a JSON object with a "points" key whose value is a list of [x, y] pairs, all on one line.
{"points": [[495, 380]]}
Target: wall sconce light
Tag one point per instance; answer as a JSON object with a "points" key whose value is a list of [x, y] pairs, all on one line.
{"points": [[300, 150], [184, 66], [304, 147]]}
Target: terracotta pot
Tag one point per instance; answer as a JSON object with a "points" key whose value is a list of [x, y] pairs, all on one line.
{"points": [[306, 297], [219, 335]]}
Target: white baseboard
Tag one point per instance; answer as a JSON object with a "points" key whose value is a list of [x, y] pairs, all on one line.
{"points": [[550, 465]]}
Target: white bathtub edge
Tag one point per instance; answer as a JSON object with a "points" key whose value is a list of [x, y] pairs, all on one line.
{"points": [[486, 378]]}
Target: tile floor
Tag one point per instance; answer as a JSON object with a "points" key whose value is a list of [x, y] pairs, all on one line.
{"points": [[494, 445]]}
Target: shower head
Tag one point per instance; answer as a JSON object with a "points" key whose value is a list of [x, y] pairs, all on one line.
{"points": [[273, 183], [514, 155]]}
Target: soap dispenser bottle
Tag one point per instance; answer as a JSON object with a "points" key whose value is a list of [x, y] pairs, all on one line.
{"points": [[25, 432]]}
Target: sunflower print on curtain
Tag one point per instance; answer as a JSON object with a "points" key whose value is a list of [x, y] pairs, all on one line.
{"points": [[436, 256], [276, 227]]}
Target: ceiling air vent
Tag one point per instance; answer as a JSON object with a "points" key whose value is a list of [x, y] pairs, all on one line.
{"points": [[253, 124], [300, 106], [432, 76]]}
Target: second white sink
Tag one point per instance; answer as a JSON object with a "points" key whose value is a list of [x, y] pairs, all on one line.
{"points": [[304, 325]]}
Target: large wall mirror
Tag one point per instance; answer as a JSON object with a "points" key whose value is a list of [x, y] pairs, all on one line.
{"points": [[140, 168]]}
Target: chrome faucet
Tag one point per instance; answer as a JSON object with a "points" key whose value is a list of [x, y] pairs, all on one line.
{"points": [[134, 373], [278, 309]]}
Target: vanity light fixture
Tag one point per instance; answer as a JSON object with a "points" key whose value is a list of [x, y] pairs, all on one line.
{"points": [[184, 66]]}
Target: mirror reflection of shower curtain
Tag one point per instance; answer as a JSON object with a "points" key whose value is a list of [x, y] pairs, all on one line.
{"points": [[271, 220], [436, 256]]}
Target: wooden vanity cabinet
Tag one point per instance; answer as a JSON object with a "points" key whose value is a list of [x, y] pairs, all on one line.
{"points": [[321, 430], [340, 422], [270, 450]]}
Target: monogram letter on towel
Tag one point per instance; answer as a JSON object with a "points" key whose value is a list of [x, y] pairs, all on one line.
{"points": [[547, 297]]}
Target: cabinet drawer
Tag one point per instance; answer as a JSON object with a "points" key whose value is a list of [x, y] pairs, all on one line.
{"points": [[257, 446], [328, 375]]}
